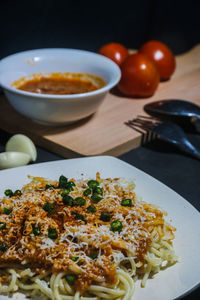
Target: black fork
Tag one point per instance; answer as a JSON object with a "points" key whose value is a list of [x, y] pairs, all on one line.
{"points": [[166, 131]]}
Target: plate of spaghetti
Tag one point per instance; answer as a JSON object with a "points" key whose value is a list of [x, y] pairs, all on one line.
{"points": [[94, 228]]}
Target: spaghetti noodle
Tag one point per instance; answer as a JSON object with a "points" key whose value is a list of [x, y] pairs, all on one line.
{"points": [[80, 239]]}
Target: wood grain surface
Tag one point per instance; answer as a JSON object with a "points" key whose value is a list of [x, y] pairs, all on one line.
{"points": [[105, 132]]}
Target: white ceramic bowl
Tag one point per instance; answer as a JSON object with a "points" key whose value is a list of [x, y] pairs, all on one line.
{"points": [[56, 109]]}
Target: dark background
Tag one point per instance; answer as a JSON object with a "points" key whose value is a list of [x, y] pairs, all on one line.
{"points": [[29, 24]]}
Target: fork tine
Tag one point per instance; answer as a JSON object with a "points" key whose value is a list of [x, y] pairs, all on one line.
{"points": [[142, 124], [154, 136], [147, 117], [147, 122], [151, 136], [143, 138], [131, 125], [143, 135], [145, 126], [147, 136]]}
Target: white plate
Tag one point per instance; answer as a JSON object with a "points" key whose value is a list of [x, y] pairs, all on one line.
{"points": [[169, 284]]}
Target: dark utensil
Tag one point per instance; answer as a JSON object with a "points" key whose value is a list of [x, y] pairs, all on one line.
{"points": [[174, 110], [166, 131]]}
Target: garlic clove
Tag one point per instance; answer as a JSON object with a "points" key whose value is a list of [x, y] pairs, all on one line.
{"points": [[13, 159], [22, 143]]}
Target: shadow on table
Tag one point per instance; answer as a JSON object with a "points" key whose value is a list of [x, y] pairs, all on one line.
{"points": [[158, 145]]}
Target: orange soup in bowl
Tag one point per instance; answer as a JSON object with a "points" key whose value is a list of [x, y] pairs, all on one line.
{"points": [[59, 83]]}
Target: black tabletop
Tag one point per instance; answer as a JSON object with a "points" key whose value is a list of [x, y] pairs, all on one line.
{"points": [[162, 161]]}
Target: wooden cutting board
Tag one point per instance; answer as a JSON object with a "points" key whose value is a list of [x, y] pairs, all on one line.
{"points": [[106, 132]]}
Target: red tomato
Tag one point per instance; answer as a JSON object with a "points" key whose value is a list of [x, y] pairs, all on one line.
{"points": [[162, 56], [140, 76], [114, 51]]}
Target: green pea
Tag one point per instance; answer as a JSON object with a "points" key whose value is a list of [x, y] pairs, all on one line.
{"points": [[79, 201], [71, 278], [68, 200], [2, 225], [8, 193], [52, 233], [96, 198], [91, 209], [92, 184], [3, 247], [36, 231], [105, 216], [116, 225], [87, 192], [126, 202], [17, 193], [75, 258], [7, 211], [98, 190], [94, 255]]}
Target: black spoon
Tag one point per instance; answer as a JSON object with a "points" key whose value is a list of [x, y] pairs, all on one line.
{"points": [[174, 110], [166, 131]]}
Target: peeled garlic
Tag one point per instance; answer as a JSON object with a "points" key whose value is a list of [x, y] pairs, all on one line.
{"points": [[22, 143], [13, 159]]}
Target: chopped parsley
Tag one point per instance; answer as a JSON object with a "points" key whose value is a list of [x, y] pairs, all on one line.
{"points": [[65, 184], [70, 184], [68, 200], [8, 193], [3, 247], [7, 211], [2, 225], [94, 255], [49, 187], [17, 193], [91, 209], [36, 231], [105, 216], [126, 202], [52, 233], [87, 192], [79, 201], [92, 184], [96, 198], [62, 181], [48, 207], [116, 225], [71, 278], [98, 190], [64, 192], [74, 258], [78, 216]]}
